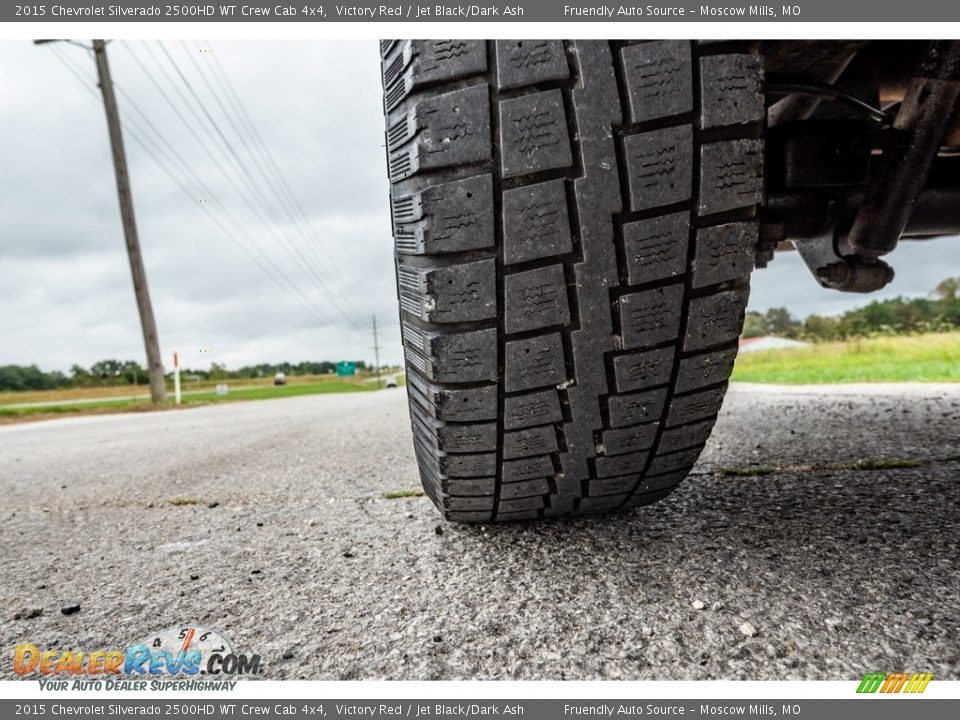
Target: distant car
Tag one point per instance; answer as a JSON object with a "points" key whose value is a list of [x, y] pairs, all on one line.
{"points": [[390, 381], [279, 379]]}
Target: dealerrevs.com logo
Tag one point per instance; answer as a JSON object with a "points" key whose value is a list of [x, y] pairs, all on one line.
{"points": [[898, 682], [174, 658]]}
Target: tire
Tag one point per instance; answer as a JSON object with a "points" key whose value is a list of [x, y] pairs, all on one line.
{"points": [[575, 224]]}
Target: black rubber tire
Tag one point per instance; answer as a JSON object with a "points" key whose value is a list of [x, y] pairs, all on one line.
{"points": [[575, 225]]}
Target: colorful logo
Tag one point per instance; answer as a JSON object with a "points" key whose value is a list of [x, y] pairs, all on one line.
{"points": [[185, 651], [895, 682]]}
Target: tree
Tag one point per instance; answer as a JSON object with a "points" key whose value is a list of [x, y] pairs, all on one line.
{"points": [[819, 327], [18, 378], [948, 290], [781, 322], [755, 325], [133, 373], [107, 370], [80, 376]]}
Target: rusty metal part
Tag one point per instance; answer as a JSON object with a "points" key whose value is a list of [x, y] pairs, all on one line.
{"points": [[832, 270], [855, 275], [909, 150]]}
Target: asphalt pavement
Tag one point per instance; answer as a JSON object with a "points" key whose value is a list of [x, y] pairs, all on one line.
{"points": [[817, 539]]}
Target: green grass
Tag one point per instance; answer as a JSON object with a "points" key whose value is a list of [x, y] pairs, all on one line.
{"points": [[264, 392], [407, 493], [177, 502], [912, 358]]}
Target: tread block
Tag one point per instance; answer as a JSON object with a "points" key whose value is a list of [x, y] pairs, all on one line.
{"points": [[527, 469], [640, 370], [446, 218], [635, 408], [724, 252], [452, 357], [731, 175], [465, 292], [611, 486], [566, 489], [468, 517], [535, 299], [656, 248], [534, 134], [659, 166], [709, 368], [386, 46], [521, 515], [536, 222], [467, 438], [527, 62], [426, 61], [685, 436], [651, 316], [473, 465], [659, 79], [530, 441], [716, 318], [674, 461], [626, 464], [525, 488], [695, 406], [631, 439], [456, 405], [533, 362], [731, 90], [465, 487], [538, 408], [450, 129], [515, 506], [468, 503]]}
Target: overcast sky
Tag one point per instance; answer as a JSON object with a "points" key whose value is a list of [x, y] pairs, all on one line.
{"points": [[65, 290]]}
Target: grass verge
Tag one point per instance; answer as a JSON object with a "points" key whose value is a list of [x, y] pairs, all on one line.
{"points": [[911, 358], [406, 493], [106, 404]]}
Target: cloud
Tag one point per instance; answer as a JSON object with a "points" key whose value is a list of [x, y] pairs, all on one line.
{"points": [[67, 290]]}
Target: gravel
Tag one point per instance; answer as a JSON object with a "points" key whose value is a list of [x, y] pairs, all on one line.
{"points": [[833, 570]]}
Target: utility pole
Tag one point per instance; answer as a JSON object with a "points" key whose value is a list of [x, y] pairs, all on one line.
{"points": [[158, 389], [376, 350]]}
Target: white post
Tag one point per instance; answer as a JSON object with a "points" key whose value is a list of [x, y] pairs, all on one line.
{"points": [[176, 378]]}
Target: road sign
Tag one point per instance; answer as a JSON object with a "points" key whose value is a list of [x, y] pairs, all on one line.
{"points": [[346, 368]]}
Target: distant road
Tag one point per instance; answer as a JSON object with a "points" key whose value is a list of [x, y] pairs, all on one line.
{"points": [[146, 395], [267, 520]]}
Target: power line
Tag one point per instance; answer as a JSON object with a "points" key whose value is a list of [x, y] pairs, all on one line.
{"points": [[271, 162], [254, 190], [229, 90], [300, 249], [258, 191], [141, 138]]}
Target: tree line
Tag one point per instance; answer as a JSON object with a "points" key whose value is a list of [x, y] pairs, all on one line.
{"points": [[939, 312], [118, 373]]}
